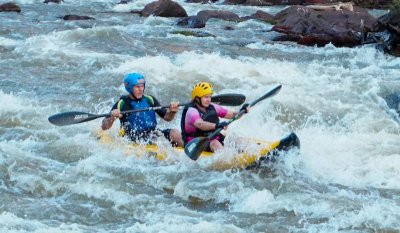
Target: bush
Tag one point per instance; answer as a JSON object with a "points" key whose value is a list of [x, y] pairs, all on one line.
{"points": [[395, 5]]}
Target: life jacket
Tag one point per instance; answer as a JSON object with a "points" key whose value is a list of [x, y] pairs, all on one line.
{"points": [[139, 123], [210, 115]]}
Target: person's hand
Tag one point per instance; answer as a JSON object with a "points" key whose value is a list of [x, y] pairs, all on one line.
{"points": [[245, 108], [116, 113], [221, 125], [174, 107]]}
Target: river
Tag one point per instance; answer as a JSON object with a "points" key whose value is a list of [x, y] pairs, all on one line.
{"points": [[345, 177]]}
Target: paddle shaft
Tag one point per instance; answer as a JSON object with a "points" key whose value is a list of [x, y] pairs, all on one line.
{"points": [[219, 99], [147, 109], [70, 118], [75, 117], [240, 113]]}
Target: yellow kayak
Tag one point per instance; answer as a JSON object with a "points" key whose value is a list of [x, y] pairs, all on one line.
{"points": [[252, 156]]}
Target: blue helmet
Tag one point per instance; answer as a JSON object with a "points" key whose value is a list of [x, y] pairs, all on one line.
{"points": [[133, 79]]}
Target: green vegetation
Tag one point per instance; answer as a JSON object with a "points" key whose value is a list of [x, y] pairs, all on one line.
{"points": [[395, 5], [378, 4]]}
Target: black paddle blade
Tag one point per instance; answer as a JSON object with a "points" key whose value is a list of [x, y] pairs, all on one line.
{"points": [[69, 118], [194, 148], [229, 99]]}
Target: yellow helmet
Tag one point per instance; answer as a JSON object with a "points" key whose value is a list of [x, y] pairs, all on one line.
{"points": [[201, 89]]}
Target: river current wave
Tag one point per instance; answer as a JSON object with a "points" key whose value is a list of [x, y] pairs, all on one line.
{"points": [[62, 179]]}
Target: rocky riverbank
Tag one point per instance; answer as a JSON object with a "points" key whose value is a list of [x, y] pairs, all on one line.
{"points": [[306, 22]]}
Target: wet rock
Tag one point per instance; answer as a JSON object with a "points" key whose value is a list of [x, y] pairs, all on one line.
{"points": [[139, 12], [205, 15], [77, 17], [311, 26], [388, 36], [375, 4], [234, 2], [124, 1], [53, 1], [391, 19], [262, 16], [393, 101], [200, 20], [193, 33], [164, 8], [258, 3], [10, 6], [308, 2], [201, 1], [191, 22]]}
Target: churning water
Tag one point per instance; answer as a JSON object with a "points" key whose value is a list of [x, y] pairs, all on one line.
{"points": [[61, 179]]}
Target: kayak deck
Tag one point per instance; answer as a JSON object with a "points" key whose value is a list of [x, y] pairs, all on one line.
{"points": [[251, 156]]}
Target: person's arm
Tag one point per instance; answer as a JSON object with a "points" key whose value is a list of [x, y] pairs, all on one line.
{"points": [[230, 114], [171, 111], [193, 120], [204, 125], [227, 114], [166, 114], [108, 122]]}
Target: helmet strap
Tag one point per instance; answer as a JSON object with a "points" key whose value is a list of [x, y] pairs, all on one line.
{"points": [[197, 100], [133, 96]]}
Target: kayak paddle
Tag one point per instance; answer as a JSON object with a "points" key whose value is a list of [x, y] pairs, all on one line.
{"points": [[76, 117], [194, 148]]}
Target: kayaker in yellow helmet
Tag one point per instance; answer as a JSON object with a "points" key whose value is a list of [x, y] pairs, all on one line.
{"points": [[201, 117], [141, 126]]}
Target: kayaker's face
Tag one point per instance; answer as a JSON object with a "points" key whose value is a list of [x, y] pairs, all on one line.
{"points": [[138, 91], [206, 100]]}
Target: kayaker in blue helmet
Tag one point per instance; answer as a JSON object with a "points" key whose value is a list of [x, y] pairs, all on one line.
{"points": [[201, 117], [141, 126]]}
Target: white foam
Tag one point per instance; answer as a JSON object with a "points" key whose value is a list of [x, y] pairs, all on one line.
{"points": [[66, 43], [183, 227], [7, 42], [27, 1], [10, 103], [10, 222], [133, 5], [254, 201]]}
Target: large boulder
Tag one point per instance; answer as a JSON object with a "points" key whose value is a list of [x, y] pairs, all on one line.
{"points": [[318, 25], [224, 15], [164, 8], [191, 22], [389, 24], [375, 4], [262, 16], [391, 19], [10, 6], [200, 20], [77, 17], [279, 2]]}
